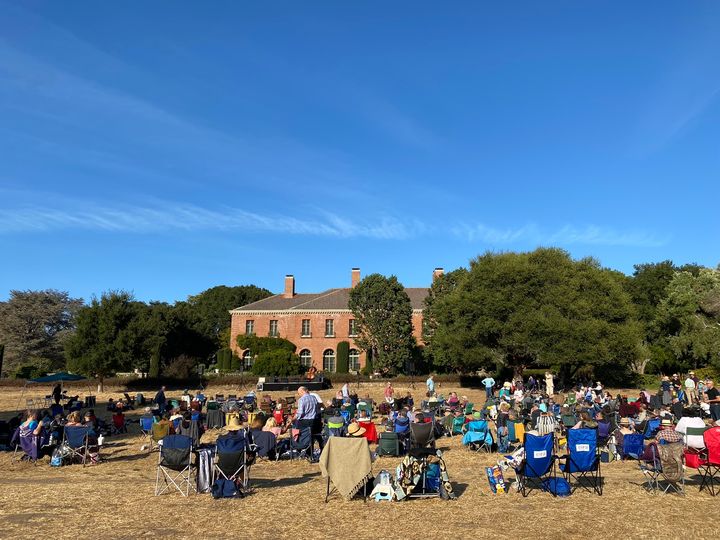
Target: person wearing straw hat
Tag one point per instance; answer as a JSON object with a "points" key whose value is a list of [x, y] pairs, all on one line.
{"points": [[355, 430], [667, 433]]}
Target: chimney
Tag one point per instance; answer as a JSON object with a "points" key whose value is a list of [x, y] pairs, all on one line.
{"points": [[289, 286], [354, 277], [437, 273]]}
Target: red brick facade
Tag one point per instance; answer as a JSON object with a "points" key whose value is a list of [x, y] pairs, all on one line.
{"points": [[286, 312]]}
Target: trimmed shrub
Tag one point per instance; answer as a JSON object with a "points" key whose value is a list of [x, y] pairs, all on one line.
{"points": [[343, 357], [278, 363], [182, 367]]}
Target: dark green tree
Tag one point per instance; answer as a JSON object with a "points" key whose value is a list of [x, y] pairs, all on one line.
{"points": [[538, 309], [343, 357], [383, 315], [690, 318], [34, 325], [2, 355], [108, 337], [210, 309]]}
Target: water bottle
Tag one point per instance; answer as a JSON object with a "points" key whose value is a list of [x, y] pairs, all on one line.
{"points": [[101, 439]]}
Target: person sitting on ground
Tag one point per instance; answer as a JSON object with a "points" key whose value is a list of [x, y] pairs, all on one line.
{"points": [[265, 440], [279, 430]]}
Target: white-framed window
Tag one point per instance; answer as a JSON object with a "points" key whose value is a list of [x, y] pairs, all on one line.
{"points": [[352, 328], [354, 360], [329, 328], [249, 327], [247, 359], [273, 332], [305, 329], [329, 360], [305, 358]]}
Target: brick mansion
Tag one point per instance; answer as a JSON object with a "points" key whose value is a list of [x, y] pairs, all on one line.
{"points": [[314, 322]]}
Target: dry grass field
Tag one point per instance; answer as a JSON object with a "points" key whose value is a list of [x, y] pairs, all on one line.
{"points": [[115, 500]]}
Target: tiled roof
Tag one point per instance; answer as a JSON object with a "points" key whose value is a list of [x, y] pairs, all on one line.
{"points": [[332, 299]]}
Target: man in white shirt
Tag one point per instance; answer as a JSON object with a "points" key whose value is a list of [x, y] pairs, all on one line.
{"points": [[489, 383], [345, 390], [691, 389], [692, 441]]}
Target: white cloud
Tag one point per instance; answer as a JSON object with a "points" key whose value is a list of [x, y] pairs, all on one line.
{"points": [[567, 235], [188, 217]]}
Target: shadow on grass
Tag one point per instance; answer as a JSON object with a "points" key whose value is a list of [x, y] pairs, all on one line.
{"points": [[283, 482]]}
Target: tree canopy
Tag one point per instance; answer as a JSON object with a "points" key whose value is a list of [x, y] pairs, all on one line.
{"points": [[689, 316], [34, 325], [533, 309], [383, 316]]}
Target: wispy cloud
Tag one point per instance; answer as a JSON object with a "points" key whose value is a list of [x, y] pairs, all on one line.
{"points": [[568, 235], [188, 217]]}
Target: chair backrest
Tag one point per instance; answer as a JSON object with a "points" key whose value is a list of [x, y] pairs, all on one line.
{"points": [[389, 444], [671, 461], [582, 447], [457, 424], [479, 426], [696, 436], [76, 436], [712, 443], [603, 430], [633, 444], [538, 455], [160, 430], [422, 434], [175, 451], [653, 424], [512, 436], [231, 443], [402, 424], [304, 439], [146, 423], [469, 408]]}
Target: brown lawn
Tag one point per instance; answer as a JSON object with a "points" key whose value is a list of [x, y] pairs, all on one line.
{"points": [[115, 499]]}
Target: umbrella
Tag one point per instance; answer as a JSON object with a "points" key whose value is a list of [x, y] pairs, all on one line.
{"points": [[60, 376]]}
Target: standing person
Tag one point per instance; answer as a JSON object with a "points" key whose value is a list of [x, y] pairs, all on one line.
{"points": [[57, 393], [306, 409], [389, 391], [160, 400], [430, 383], [549, 384], [345, 390], [488, 383], [531, 383], [712, 396], [691, 388]]}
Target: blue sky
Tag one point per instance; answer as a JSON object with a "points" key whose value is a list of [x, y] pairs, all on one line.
{"points": [[167, 147]]}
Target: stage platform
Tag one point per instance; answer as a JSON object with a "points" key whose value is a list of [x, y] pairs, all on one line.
{"points": [[275, 384]]}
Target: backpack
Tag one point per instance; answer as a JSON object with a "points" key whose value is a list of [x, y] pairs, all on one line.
{"points": [[223, 488], [557, 486]]}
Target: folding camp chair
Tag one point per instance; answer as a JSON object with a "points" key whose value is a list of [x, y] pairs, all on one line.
{"points": [[175, 466], [538, 464], [77, 439], [389, 444], [582, 462], [672, 471], [711, 468], [365, 407], [428, 485], [335, 426], [146, 424], [158, 432], [457, 425], [477, 436], [633, 445], [231, 459], [469, 408], [422, 435], [568, 420], [603, 433], [651, 428], [119, 425], [23, 440], [303, 445]]}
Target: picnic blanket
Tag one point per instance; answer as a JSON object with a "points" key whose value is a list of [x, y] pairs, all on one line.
{"points": [[346, 461]]}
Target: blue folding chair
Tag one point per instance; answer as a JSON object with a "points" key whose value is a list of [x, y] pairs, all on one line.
{"points": [[652, 427], [77, 439], [477, 436], [146, 424], [633, 445], [582, 462], [175, 465], [538, 465], [231, 461]]}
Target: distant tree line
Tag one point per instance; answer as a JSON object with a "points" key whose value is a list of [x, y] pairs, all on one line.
{"points": [[48, 330]]}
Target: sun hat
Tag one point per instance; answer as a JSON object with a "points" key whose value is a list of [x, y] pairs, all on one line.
{"points": [[666, 422], [691, 373], [507, 384], [355, 430], [234, 424], [624, 421]]}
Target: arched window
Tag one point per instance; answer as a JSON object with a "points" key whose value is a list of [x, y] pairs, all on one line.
{"points": [[329, 360], [305, 358], [354, 360], [247, 359]]}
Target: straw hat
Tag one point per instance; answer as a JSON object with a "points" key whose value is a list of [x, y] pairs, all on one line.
{"points": [[691, 373], [624, 421], [234, 424], [666, 422], [507, 384], [355, 430]]}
